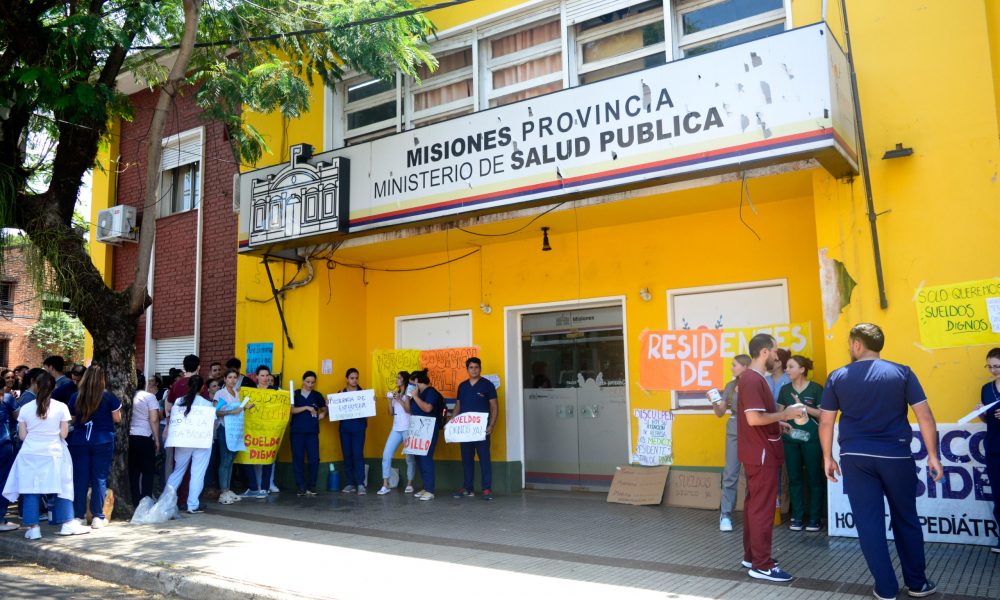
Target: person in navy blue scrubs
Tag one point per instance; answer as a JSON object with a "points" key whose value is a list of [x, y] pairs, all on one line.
{"points": [[991, 394], [477, 395], [95, 413], [352, 443], [425, 401], [308, 410], [872, 396], [8, 431]]}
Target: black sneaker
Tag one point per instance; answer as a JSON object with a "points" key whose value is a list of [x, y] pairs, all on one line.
{"points": [[772, 574], [995, 549], [301, 492], [814, 526], [880, 597], [795, 525], [463, 493], [311, 492], [928, 588], [488, 495]]}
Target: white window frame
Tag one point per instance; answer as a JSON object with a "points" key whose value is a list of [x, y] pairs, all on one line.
{"points": [[578, 39], [411, 88], [682, 42], [430, 316], [179, 151], [489, 64], [385, 127]]}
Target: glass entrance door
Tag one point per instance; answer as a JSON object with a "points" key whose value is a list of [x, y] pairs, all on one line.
{"points": [[575, 415]]}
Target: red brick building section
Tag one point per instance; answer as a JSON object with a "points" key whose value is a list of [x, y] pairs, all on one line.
{"points": [[175, 250], [20, 309]]}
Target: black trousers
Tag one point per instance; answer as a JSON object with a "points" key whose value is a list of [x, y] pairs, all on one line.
{"points": [[141, 466]]}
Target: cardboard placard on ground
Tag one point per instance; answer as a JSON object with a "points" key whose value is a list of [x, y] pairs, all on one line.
{"points": [[695, 489], [638, 485]]}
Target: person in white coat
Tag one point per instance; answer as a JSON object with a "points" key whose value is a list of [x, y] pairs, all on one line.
{"points": [[43, 465], [196, 458]]}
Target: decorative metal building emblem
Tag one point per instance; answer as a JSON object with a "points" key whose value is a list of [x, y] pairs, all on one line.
{"points": [[301, 200]]}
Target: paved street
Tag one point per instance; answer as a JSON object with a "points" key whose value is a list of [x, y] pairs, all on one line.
{"points": [[19, 580], [337, 546]]}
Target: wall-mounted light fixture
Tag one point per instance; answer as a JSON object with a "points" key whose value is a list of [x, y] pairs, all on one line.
{"points": [[545, 240], [898, 152], [645, 294], [486, 308]]}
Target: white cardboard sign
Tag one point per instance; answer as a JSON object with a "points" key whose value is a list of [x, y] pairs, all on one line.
{"points": [[194, 430], [467, 427], [351, 405], [418, 439]]}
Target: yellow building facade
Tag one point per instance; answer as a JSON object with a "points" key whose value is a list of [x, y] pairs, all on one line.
{"points": [[715, 226]]}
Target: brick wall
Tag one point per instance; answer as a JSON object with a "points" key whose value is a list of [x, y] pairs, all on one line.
{"points": [[27, 308], [176, 243]]}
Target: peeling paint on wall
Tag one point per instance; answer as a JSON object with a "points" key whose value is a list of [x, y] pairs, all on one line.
{"points": [[836, 286]]}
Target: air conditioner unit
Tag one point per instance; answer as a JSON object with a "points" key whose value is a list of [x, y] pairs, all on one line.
{"points": [[116, 224]]}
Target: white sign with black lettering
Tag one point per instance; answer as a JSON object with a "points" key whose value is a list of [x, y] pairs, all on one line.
{"points": [[955, 510], [351, 405], [467, 427], [192, 430]]}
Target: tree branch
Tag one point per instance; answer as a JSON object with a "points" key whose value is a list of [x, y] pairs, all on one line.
{"points": [[154, 155]]}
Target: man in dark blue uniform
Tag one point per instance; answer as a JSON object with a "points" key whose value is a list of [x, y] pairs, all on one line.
{"points": [[991, 395], [872, 396], [477, 395]]}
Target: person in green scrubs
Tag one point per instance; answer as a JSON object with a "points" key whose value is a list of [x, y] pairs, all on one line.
{"points": [[803, 455]]}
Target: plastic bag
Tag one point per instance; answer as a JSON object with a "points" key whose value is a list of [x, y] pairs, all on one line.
{"points": [[161, 511], [393, 478]]}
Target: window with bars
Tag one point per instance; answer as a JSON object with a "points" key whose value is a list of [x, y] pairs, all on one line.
{"points": [[707, 25], [4, 353], [621, 41], [523, 63], [7, 298]]}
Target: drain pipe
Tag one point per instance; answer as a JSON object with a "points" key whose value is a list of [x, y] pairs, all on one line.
{"points": [[865, 174]]}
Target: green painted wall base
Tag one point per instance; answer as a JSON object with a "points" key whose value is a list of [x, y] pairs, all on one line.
{"points": [[448, 475]]}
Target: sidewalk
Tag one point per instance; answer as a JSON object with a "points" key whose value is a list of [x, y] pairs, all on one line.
{"points": [[573, 545]]}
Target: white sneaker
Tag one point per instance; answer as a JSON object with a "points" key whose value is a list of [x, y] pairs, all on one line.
{"points": [[33, 533], [274, 489], [427, 496], [408, 490], [8, 527], [419, 494], [74, 527], [725, 524], [382, 491], [98, 523]]}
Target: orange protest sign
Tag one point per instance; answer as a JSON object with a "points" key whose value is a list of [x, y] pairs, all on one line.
{"points": [[446, 368], [681, 360]]}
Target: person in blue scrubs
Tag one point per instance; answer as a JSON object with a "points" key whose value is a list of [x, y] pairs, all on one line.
{"points": [[352, 442], [308, 410], [8, 430], [426, 401], [991, 394], [777, 378], [95, 413], [872, 396], [477, 395]]}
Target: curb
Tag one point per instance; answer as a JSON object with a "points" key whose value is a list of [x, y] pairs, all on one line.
{"points": [[192, 585]]}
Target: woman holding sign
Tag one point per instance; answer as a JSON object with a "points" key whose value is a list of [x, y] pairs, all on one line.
{"points": [[227, 405], [308, 408], [95, 412], [990, 396], [399, 408], [352, 442], [425, 401], [195, 448]]}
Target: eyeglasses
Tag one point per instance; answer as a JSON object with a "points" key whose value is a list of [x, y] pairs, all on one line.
{"points": [[992, 367]]}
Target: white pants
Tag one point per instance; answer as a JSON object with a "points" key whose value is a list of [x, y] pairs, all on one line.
{"points": [[198, 459]]}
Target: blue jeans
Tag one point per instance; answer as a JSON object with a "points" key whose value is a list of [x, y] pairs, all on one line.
{"points": [[226, 457], [392, 444], [6, 461], [251, 474], [91, 465], [352, 443], [427, 464], [867, 480], [469, 450], [62, 510], [305, 445]]}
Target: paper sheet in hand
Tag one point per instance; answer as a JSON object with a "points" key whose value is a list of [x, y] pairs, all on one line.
{"points": [[972, 415]]}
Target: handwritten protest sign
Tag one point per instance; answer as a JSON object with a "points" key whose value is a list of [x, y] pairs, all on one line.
{"points": [[260, 353], [387, 363], [193, 430], [959, 314], [263, 425], [418, 439], [351, 405], [698, 359], [638, 485], [446, 368], [233, 425], [467, 427], [654, 446]]}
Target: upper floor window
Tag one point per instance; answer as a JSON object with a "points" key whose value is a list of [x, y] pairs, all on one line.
{"points": [[709, 25], [446, 92], [7, 298], [371, 107], [523, 63], [180, 176], [621, 41]]}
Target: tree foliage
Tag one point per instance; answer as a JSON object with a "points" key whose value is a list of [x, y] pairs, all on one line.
{"points": [[58, 333]]}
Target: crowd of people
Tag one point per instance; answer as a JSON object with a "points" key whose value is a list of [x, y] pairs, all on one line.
{"points": [[58, 424]]}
